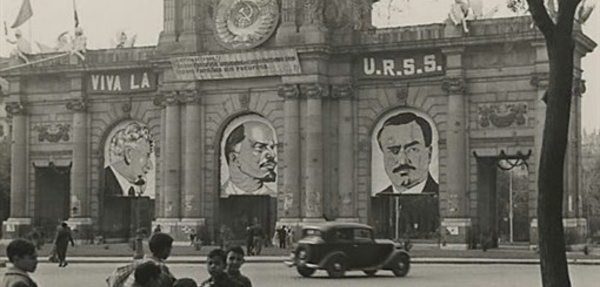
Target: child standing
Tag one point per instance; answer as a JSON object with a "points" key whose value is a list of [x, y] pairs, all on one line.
{"points": [[215, 264], [235, 259], [21, 253]]}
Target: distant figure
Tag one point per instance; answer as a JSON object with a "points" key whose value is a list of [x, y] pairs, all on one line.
{"points": [[156, 229], [258, 238], [249, 240], [79, 43], [22, 46], [63, 43], [123, 40], [63, 237], [282, 235], [21, 253], [36, 237], [224, 237], [290, 236]]}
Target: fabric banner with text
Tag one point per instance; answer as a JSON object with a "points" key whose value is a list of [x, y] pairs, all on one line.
{"points": [[237, 65]]}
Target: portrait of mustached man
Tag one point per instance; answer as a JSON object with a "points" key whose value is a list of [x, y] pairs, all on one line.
{"points": [[251, 156]]}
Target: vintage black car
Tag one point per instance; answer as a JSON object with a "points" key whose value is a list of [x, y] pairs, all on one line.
{"points": [[340, 247]]}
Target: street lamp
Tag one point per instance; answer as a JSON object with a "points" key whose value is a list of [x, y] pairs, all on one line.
{"points": [[509, 165]]}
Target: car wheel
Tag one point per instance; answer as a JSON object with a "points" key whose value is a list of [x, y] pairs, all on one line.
{"points": [[305, 271], [336, 267], [401, 265], [370, 272]]}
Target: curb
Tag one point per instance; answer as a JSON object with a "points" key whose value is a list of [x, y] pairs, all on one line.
{"points": [[280, 259]]}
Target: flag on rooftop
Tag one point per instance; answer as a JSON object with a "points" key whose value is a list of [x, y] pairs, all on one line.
{"points": [[75, 15], [24, 14]]}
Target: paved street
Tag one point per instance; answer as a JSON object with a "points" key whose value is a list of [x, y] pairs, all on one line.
{"points": [[268, 274]]}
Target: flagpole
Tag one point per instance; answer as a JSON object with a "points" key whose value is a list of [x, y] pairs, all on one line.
{"points": [[31, 32]]}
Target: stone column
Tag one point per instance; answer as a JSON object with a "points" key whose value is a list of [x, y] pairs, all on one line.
{"points": [[291, 211], [189, 35], [80, 217], [20, 219], [346, 189], [456, 215], [313, 25], [313, 181], [192, 212], [171, 159], [287, 28], [167, 35]]}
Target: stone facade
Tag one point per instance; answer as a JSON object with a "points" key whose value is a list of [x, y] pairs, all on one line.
{"points": [[480, 92]]}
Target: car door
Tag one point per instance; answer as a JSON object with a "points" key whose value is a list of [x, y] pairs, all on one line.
{"points": [[342, 241], [364, 248]]}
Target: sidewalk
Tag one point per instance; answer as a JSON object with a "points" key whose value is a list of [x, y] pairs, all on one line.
{"points": [[421, 254]]}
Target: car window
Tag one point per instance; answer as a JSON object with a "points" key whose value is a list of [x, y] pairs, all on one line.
{"points": [[343, 234], [363, 235], [312, 232]]}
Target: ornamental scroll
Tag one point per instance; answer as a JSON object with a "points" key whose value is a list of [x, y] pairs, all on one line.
{"points": [[502, 115]]}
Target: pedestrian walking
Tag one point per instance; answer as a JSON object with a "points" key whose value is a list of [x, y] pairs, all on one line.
{"points": [[282, 234], [23, 256], [249, 240], [258, 239], [63, 238]]}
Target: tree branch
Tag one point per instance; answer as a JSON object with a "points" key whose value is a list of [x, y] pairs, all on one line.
{"points": [[540, 16]]}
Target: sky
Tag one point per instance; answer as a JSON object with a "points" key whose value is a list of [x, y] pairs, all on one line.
{"points": [[102, 20]]}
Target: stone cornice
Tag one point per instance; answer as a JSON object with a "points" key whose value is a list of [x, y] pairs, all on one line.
{"points": [[314, 91], [191, 97], [342, 92], [454, 85], [76, 105], [539, 80], [289, 92], [578, 87], [15, 109]]}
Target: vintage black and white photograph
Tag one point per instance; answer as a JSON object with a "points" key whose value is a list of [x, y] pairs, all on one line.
{"points": [[239, 143]]}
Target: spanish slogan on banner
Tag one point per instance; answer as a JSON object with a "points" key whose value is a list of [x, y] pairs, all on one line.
{"points": [[237, 65]]}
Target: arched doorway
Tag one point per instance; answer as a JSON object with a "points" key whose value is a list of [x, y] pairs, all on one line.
{"points": [[248, 178], [502, 199]]}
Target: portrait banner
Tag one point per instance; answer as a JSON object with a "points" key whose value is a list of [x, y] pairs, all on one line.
{"points": [[260, 63], [129, 161], [248, 157], [404, 154]]}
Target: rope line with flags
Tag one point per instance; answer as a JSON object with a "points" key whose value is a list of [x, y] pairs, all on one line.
{"points": [[25, 14]]}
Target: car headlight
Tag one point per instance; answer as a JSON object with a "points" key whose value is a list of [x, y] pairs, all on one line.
{"points": [[302, 254]]}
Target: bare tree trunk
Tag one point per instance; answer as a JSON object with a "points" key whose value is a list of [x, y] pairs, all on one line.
{"points": [[560, 45]]}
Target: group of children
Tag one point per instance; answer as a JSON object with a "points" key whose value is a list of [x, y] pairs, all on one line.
{"points": [[223, 267]]}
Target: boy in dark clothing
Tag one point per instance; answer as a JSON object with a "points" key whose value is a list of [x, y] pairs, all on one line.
{"points": [[21, 253], [235, 259], [216, 268], [147, 274]]}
